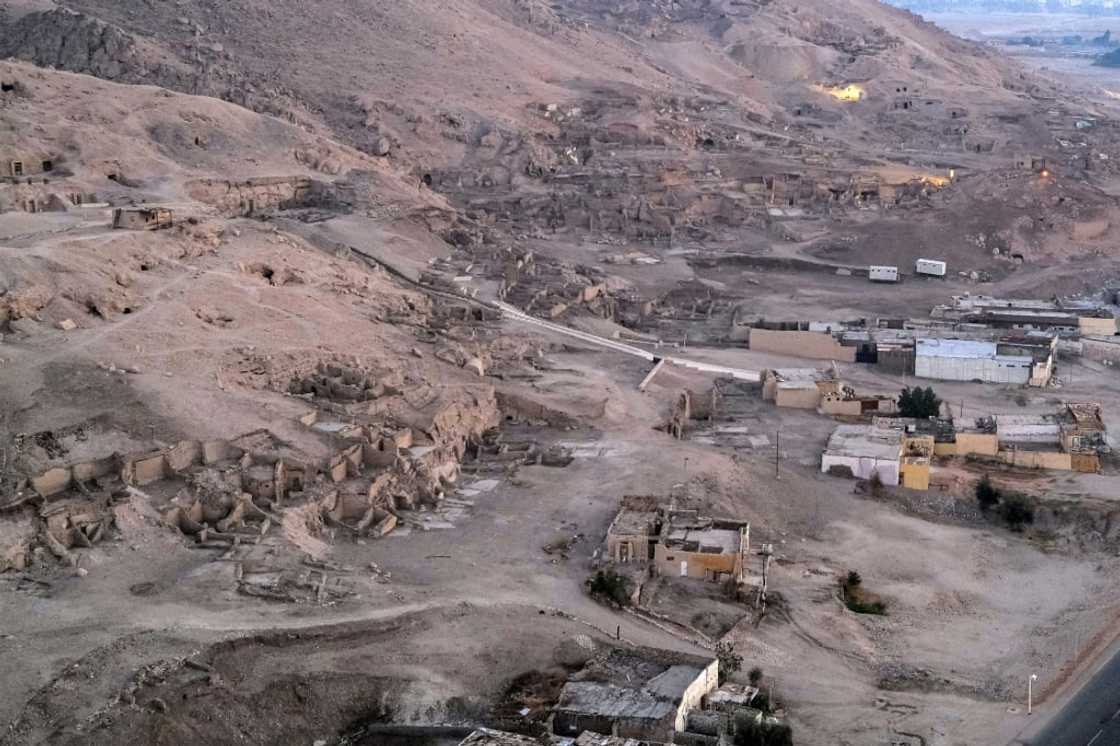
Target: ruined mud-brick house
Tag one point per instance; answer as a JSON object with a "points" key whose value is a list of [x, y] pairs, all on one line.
{"points": [[694, 546], [796, 388], [644, 694], [142, 218], [634, 532], [18, 166], [841, 400], [678, 543]]}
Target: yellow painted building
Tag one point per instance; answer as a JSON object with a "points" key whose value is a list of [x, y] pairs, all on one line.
{"points": [[914, 469]]}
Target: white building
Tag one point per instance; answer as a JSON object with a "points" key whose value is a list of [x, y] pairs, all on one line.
{"points": [[881, 273], [864, 450], [969, 360]]}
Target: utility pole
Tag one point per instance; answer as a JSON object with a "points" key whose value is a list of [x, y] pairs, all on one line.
{"points": [[1030, 691], [767, 555]]}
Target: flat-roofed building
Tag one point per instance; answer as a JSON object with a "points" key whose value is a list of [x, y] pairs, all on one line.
{"points": [[971, 360], [864, 450]]}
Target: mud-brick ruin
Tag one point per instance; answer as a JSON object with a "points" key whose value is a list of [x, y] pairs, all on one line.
{"points": [[234, 491]]}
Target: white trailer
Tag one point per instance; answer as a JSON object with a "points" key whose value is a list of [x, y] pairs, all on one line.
{"points": [[882, 273], [930, 267]]}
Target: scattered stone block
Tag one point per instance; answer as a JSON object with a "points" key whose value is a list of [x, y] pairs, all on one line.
{"points": [[52, 482]]}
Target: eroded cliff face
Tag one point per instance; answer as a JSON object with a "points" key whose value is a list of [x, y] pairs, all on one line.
{"points": [[80, 43]]}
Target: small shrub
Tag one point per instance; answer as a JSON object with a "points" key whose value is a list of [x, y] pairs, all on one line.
{"points": [[852, 592], [751, 731], [607, 585], [755, 676], [1017, 512], [877, 608], [729, 661], [875, 482], [987, 494]]}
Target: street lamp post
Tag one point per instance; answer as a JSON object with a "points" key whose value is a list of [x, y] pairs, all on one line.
{"points": [[1030, 690]]}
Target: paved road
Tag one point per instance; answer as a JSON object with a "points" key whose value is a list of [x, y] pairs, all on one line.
{"points": [[517, 314], [1091, 717]]}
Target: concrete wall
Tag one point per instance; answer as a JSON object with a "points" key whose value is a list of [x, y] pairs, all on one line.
{"points": [[1038, 459], [1102, 350], [1042, 372], [854, 407], [702, 686], [1094, 327], [989, 370], [980, 444], [1088, 463], [667, 561], [915, 476], [944, 449], [814, 345], [798, 398], [863, 468], [841, 408], [896, 361]]}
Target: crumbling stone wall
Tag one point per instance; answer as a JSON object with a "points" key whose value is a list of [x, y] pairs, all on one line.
{"points": [[263, 194]]}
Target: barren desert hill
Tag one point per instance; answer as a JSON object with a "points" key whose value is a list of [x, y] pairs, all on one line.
{"points": [[151, 139], [300, 402], [686, 115], [433, 77]]}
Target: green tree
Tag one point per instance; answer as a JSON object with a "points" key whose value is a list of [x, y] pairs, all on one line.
{"points": [[755, 676], [918, 402]]}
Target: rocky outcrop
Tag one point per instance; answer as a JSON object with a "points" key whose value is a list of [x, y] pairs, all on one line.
{"points": [[68, 40], [269, 193]]}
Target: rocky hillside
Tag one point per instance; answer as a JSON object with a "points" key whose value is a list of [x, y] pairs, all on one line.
{"points": [[430, 78]]}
